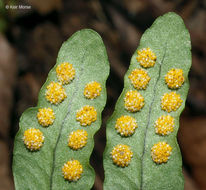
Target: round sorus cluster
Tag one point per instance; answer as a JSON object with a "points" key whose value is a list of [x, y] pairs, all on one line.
{"points": [[121, 155], [126, 125], [65, 73], [86, 115], [33, 139], [174, 78], [45, 116], [92, 90], [161, 152], [77, 139], [55, 93], [171, 101], [72, 170], [164, 125], [139, 78], [146, 57], [133, 101]]}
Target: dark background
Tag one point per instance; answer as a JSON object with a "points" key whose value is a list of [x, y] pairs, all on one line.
{"points": [[29, 43]]}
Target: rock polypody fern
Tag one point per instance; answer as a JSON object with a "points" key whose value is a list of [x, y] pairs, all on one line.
{"points": [[142, 151], [55, 139]]}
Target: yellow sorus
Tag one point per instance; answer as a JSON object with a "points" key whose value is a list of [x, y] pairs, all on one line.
{"points": [[33, 139], [65, 72], [126, 125], [146, 57], [161, 152], [77, 139], [92, 90], [45, 116], [86, 115], [139, 78], [55, 93], [171, 101], [174, 78], [133, 101], [121, 155], [72, 170], [164, 125]]}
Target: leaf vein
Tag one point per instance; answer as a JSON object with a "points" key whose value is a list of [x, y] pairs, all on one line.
{"points": [[69, 110], [149, 116]]}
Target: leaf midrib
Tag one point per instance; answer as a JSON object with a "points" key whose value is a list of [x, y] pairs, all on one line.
{"points": [[149, 117], [68, 112]]}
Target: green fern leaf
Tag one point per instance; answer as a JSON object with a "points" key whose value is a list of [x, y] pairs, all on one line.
{"points": [[55, 139], [142, 151]]}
